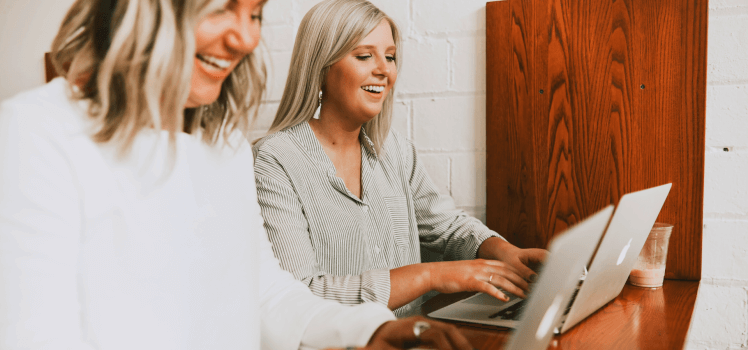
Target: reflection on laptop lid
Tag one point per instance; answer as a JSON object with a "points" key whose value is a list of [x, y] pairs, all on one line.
{"points": [[569, 252], [629, 228]]}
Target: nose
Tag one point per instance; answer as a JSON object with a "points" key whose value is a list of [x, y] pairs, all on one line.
{"points": [[382, 68], [245, 35]]}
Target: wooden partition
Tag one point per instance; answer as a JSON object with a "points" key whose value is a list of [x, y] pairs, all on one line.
{"points": [[588, 100]]}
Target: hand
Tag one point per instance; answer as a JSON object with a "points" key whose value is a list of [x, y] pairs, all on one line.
{"points": [[525, 261], [477, 275], [400, 335]]}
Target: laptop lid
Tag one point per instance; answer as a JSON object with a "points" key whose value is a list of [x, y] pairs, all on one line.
{"points": [[634, 217], [558, 280], [568, 253]]}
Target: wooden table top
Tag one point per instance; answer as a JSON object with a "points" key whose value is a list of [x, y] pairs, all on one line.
{"points": [[639, 318]]}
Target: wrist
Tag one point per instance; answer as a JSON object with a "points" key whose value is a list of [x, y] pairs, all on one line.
{"points": [[492, 248]]}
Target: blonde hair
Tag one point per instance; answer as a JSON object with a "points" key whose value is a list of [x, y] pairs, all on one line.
{"points": [[328, 32], [139, 76]]}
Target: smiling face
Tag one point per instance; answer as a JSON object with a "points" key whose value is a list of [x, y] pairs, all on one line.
{"points": [[357, 85], [222, 40]]}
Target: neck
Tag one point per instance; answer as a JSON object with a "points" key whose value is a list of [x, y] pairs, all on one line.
{"points": [[336, 132]]}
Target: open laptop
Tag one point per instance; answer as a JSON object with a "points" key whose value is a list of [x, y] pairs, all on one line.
{"points": [[568, 253], [629, 228], [613, 260]]}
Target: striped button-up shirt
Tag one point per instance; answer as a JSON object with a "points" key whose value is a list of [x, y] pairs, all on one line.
{"points": [[343, 246]]}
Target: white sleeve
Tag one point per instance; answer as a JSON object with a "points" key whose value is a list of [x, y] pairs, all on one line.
{"points": [[292, 317], [40, 224]]}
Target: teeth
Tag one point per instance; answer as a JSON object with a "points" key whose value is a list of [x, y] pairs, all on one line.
{"points": [[373, 88], [215, 61]]}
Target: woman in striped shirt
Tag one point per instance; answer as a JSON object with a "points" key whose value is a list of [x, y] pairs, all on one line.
{"points": [[347, 202]]}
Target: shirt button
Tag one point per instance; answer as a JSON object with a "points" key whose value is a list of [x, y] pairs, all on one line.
{"points": [[376, 249], [365, 208]]}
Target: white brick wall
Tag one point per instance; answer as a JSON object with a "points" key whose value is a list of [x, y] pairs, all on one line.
{"points": [[720, 320], [441, 107]]}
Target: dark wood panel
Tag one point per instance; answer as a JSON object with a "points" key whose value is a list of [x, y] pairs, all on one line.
{"points": [[639, 318], [49, 68], [595, 99]]}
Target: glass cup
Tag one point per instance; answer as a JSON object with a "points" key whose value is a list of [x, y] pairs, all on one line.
{"points": [[649, 270]]}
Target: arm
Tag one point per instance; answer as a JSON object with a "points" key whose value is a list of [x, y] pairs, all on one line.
{"points": [[288, 230], [441, 226], [39, 236], [291, 316]]}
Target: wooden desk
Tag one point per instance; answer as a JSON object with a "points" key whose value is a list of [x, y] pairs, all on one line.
{"points": [[639, 318]]}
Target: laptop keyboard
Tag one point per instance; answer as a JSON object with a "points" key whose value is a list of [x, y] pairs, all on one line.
{"points": [[511, 313]]}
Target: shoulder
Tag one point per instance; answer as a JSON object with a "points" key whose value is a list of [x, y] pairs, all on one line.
{"points": [[48, 109], [398, 149], [278, 148]]}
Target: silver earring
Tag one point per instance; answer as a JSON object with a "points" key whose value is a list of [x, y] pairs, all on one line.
{"points": [[319, 106]]}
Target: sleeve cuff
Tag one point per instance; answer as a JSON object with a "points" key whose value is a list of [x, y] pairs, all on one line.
{"points": [[342, 326], [375, 286]]}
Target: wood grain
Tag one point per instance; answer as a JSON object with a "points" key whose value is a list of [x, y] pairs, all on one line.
{"points": [[49, 68], [639, 318], [590, 100]]}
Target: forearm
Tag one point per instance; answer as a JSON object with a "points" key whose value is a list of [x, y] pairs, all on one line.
{"points": [[408, 283], [489, 248]]}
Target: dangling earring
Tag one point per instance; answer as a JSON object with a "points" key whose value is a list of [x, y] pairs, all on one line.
{"points": [[319, 106]]}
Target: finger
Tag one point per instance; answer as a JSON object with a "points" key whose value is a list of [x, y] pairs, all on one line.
{"points": [[457, 339], [508, 286], [436, 338], [513, 278], [490, 289]]}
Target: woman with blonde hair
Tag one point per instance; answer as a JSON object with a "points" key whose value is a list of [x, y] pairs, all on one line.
{"points": [[346, 201], [128, 212]]}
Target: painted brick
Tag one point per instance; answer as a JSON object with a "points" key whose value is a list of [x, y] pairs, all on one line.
{"points": [[720, 315], [400, 117], [468, 64], [452, 124], [279, 37], [277, 74], [277, 11], [449, 16], [424, 67], [727, 49], [725, 187], [397, 10], [437, 166], [26, 32], [725, 249], [727, 116], [716, 4], [265, 116], [468, 181]]}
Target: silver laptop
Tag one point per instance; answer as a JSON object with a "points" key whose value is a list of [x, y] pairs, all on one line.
{"points": [[569, 252], [635, 215], [613, 260]]}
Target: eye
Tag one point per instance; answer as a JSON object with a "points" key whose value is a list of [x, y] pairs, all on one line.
{"points": [[257, 17], [391, 59], [363, 57]]}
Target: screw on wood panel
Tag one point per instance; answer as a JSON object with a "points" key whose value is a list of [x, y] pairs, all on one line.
{"points": [[642, 86], [541, 91]]}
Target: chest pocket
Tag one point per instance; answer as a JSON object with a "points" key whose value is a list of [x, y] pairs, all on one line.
{"points": [[397, 208]]}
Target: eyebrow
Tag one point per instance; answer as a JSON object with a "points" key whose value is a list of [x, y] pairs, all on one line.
{"points": [[372, 47]]}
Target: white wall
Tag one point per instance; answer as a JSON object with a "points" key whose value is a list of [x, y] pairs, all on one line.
{"points": [[441, 107]]}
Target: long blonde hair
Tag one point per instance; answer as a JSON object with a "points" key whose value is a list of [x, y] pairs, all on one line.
{"points": [[134, 60], [328, 32]]}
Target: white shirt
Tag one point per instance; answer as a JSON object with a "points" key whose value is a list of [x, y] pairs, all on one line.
{"points": [[99, 252]]}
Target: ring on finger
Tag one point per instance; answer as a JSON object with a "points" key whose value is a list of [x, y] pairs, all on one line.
{"points": [[490, 278], [419, 327]]}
